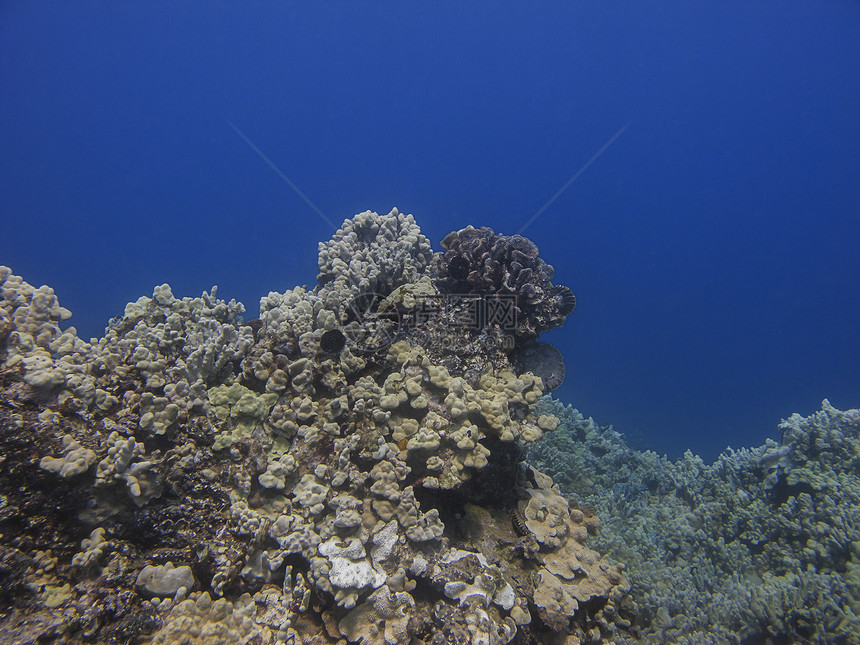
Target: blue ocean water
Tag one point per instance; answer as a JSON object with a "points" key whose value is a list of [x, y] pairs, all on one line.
{"points": [[713, 246]]}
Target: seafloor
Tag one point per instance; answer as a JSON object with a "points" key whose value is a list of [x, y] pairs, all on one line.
{"points": [[378, 460]]}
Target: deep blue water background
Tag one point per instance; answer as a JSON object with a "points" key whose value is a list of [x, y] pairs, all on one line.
{"points": [[714, 247]]}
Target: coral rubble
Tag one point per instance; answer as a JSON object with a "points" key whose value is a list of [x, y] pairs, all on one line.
{"points": [[346, 468]]}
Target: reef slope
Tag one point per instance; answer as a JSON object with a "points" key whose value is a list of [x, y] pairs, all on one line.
{"points": [[761, 546]]}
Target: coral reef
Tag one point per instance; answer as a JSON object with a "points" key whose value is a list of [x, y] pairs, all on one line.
{"points": [[330, 472], [376, 461], [763, 545]]}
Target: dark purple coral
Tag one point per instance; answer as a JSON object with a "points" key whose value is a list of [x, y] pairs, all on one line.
{"points": [[505, 268], [541, 359]]}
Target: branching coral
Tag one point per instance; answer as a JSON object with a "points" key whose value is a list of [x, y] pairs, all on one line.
{"points": [[756, 545]]}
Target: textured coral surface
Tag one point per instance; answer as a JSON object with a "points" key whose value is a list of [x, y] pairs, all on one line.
{"points": [[761, 546], [376, 461], [346, 468]]}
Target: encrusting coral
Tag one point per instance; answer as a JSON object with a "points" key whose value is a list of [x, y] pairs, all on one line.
{"points": [[329, 472]]}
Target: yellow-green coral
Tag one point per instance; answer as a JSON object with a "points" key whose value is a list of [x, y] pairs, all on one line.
{"points": [[244, 407], [429, 409]]}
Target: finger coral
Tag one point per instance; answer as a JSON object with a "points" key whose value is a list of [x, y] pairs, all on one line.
{"points": [[760, 545]]}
